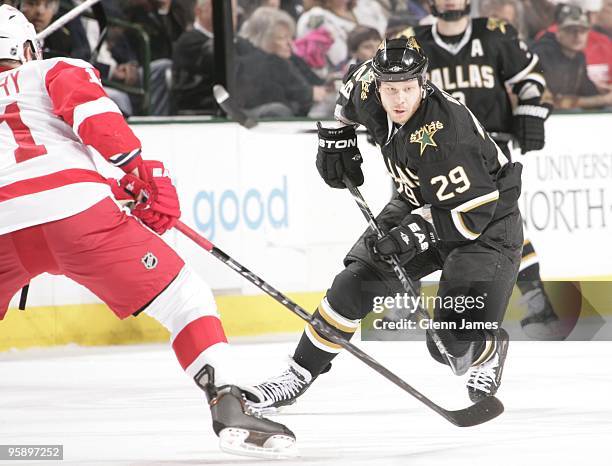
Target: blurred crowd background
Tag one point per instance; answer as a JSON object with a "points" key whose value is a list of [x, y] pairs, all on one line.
{"points": [[157, 57]]}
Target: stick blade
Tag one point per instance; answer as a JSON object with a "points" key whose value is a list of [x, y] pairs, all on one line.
{"points": [[221, 95], [479, 413], [228, 105]]}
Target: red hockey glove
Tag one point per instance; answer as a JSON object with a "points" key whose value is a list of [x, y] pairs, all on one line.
{"points": [[158, 204]]}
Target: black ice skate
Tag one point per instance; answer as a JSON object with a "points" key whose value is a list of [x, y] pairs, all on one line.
{"points": [[541, 322], [485, 378], [241, 431], [279, 391]]}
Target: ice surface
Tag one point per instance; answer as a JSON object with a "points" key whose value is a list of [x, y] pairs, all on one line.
{"points": [[134, 406]]}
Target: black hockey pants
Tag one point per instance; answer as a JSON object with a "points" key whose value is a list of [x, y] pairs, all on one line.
{"points": [[477, 278]]}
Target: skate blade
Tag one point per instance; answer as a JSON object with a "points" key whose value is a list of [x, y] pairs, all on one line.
{"points": [[267, 410], [233, 440]]}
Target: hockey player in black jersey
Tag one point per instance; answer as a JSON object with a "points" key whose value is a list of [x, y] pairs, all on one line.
{"points": [[444, 163], [475, 61]]}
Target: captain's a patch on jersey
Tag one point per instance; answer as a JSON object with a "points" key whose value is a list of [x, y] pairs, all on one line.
{"points": [[425, 135]]}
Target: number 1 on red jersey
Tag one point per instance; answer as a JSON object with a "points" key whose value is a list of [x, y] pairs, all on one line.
{"points": [[27, 148]]}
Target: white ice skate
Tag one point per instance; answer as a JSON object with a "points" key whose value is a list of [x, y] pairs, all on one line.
{"points": [[279, 391]]}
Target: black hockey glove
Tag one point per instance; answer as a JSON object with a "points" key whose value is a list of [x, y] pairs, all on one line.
{"points": [[412, 236], [338, 155], [529, 125]]}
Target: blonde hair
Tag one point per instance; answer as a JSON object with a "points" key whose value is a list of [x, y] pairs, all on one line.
{"points": [[261, 25]]}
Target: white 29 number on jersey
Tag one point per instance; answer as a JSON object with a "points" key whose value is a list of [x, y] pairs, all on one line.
{"points": [[457, 177]]}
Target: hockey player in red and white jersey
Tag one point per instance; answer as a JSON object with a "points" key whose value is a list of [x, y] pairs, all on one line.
{"points": [[57, 215]]}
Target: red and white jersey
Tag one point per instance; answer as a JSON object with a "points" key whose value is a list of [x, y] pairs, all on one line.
{"points": [[50, 111]]}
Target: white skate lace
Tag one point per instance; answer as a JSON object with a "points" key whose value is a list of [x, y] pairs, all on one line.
{"points": [[283, 387], [483, 376]]}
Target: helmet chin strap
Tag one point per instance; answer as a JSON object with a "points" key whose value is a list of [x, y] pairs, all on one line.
{"points": [[450, 15], [30, 53]]}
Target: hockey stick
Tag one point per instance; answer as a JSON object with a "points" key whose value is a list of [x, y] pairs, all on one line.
{"points": [[229, 106], [481, 412], [100, 16], [62, 20], [235, 113], [457, 367]]}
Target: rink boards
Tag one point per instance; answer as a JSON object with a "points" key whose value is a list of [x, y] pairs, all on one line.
{"points": [[257, 195]]}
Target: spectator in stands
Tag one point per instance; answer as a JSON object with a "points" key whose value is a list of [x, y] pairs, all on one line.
{"points": [[599, 60], [164, 21], [275, 75], [510, 11], [538, 15], [362, 44], [399, 22], [294, 7], [115, 59], [338, 18], [193, 66], [68, 41], [564, 63], [603, 19], [598, 53], [599, 48], [118, 64], [249, 6], [409, 12], [73, 41]]}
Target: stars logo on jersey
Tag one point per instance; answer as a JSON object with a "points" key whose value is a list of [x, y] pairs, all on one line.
{"points": [[366, 80], [425, 135], [412, 43], [494, 23]]}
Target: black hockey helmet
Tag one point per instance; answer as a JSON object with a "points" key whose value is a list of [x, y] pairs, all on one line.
{"points": [[450, 15], [400, 59]]}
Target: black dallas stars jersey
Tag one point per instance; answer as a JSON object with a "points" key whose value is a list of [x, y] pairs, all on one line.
{"points": [[441, 156], [476, 69]]}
